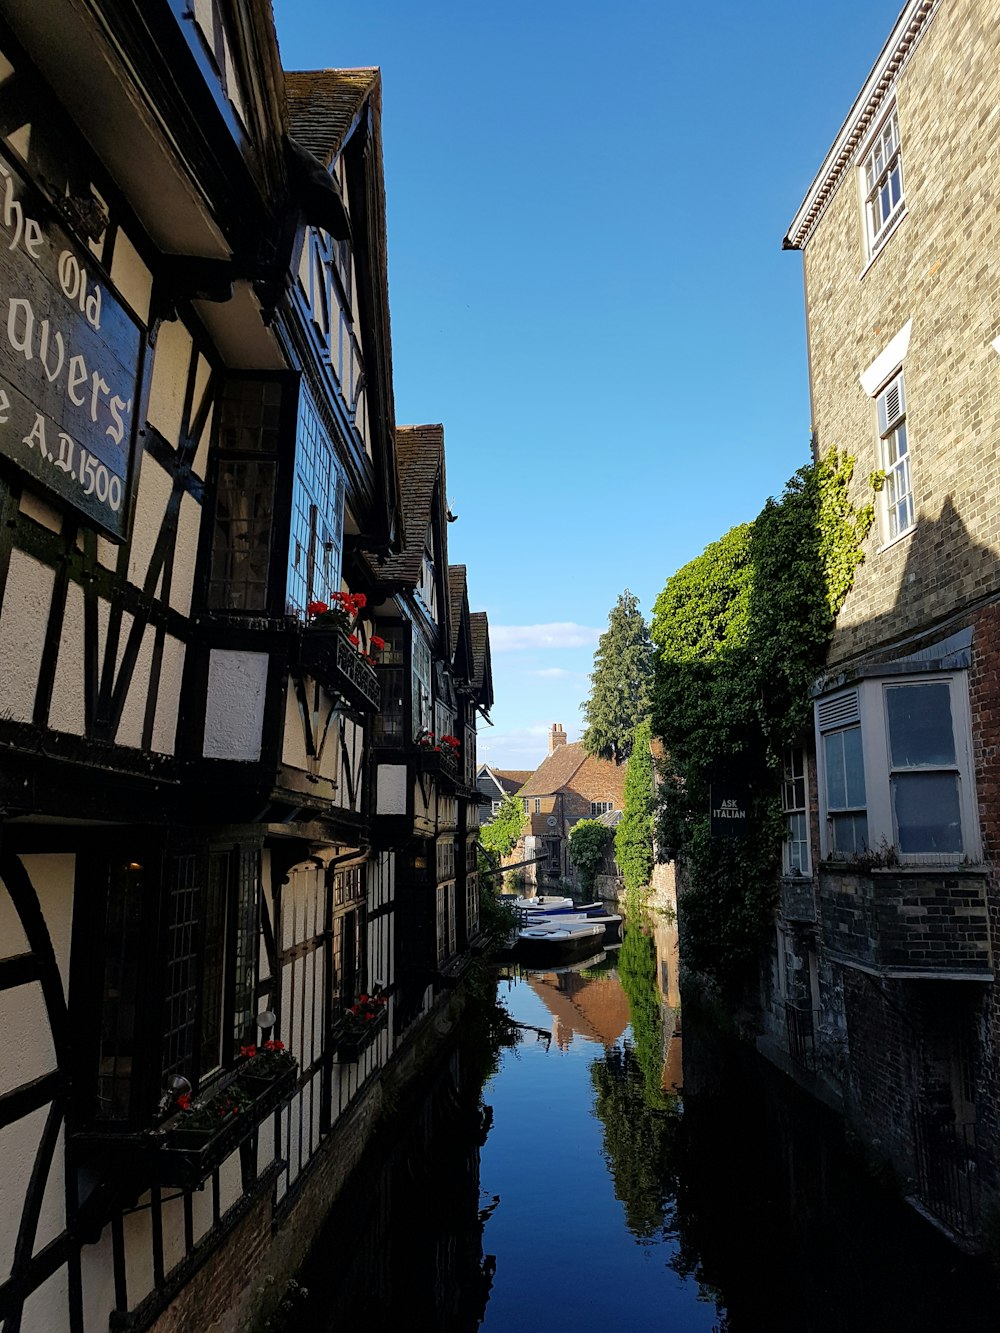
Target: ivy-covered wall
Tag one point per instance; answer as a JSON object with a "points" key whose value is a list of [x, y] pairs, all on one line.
{"points": [[741, 633]]}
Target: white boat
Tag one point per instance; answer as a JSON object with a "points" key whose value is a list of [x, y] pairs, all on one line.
{"points": [[610, 921], [557, 939]]}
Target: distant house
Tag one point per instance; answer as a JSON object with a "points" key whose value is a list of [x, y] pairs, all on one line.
{"points": [[569, 785], [496, 783]]}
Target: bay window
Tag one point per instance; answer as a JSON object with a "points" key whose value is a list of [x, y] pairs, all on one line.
{"points": [[895, 767]]}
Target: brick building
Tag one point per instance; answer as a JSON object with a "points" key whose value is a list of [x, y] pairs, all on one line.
{"points": [[569, 785], [882, 979]]}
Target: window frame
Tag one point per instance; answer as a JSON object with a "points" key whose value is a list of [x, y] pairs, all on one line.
{"points": [[891, 426], [598, 808], [872, 718], [872, 178], [792, 807]]}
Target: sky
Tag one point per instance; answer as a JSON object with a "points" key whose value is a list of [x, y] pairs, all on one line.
{"points": [[586, 204]]}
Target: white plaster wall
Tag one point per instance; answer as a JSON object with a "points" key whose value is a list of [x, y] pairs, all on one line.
{"points": [[107, 553], [169, 697], [131, 276], [137, 1229], [391, 794], [97, 1273], [185, 555], [28, 1052], [230, 1181], [201, 377], [173, 1236], [201, 1212], [66, 711], [150, 506], [12, 937], [18, 1146], [201, 454], [40, 510], [134, 712], [170, 370], [293, 743], [47, 1308], [23, 621], [53, 876], [234, 714], [329, 760]]}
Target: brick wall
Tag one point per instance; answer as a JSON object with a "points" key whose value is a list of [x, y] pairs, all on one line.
{"points": [[932, 921], [941, 269]]}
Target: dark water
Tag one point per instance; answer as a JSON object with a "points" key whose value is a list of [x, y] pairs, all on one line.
{"points": [[583, 1190]]}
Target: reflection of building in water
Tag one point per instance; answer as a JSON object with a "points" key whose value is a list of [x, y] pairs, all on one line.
{"points": [[594, 1008], [668, 980]]}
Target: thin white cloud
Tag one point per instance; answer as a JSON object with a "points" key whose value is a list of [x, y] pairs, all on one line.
{"points": [[552, 673], [558, 634]]}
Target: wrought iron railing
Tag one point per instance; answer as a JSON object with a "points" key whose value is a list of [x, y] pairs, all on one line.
{"points": [[801, 1023], [947, 1160]]}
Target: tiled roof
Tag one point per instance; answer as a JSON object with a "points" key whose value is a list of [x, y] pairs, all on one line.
{"points": [[420, 455], [482, 669], [322, 105], [511, 779], [456, 594], [555, 771]]}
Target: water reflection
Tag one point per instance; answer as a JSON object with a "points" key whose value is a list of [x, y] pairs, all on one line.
{"points": [[557, 1176]]}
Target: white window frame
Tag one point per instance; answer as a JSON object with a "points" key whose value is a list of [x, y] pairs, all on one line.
{"points": [[601, 808], [898, 512], [881, 178], [795, 806], [872, 716]]}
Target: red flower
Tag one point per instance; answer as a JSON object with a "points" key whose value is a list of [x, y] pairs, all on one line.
{"points": [[353, 638], [317, 608], [274, 1045], [360, 600], [248, 1051], [378, 643], [184, 1101]]}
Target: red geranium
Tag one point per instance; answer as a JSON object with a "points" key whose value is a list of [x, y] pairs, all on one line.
{"points": [[353, 638], [377, 642], [317, 608]]}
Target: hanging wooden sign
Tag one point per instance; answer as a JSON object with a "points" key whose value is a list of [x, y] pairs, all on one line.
{"points": [[70, 360]]}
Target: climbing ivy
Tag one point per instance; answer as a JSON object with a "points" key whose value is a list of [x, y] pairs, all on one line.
{"points": [[589, 840], [634, 834], [741, 632]]}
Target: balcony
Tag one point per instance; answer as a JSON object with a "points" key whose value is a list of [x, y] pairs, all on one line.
{"points": [[328, 656], [907, 922]]}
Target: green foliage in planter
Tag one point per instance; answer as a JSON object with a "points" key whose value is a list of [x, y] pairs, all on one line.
{"points": [[741, 633], [589, 840], [634, 834]]}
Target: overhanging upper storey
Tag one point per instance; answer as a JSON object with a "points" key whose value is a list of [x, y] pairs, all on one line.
{"points": [[912, 22], [335, 138]]}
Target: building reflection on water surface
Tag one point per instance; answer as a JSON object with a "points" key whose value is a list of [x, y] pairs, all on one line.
{"points": [[753, 1208]]}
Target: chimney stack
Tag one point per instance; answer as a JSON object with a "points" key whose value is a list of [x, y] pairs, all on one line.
{"points": [[557, 737]]}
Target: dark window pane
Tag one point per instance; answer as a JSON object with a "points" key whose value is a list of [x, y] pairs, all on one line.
{"points": [[123, 954], [181, 999], [214, 962], [836, 781], [850, 834], [927, 812], [920, 730]]}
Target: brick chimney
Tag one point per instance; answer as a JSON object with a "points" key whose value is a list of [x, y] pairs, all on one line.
{"points": [[557, 737]]}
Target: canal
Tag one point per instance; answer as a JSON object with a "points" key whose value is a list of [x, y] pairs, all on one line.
{"points": [[575, 1164]]}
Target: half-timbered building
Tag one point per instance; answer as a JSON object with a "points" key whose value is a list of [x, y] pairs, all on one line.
{"points": [[204, 630]]}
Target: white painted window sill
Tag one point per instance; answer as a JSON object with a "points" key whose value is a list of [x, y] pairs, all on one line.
{"points": [[883, 241]]}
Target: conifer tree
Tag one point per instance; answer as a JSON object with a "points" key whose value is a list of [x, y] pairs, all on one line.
{"points": [[620, 682]]}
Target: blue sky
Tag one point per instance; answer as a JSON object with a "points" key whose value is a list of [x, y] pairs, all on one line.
{"points": [[585, 211]]}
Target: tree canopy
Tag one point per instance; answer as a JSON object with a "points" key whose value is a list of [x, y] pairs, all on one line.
{"points": [[620, 682]]}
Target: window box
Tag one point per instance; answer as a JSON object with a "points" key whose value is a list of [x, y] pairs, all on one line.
{"points": [[183, 1155], [350, 1039], [328, 656]]}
